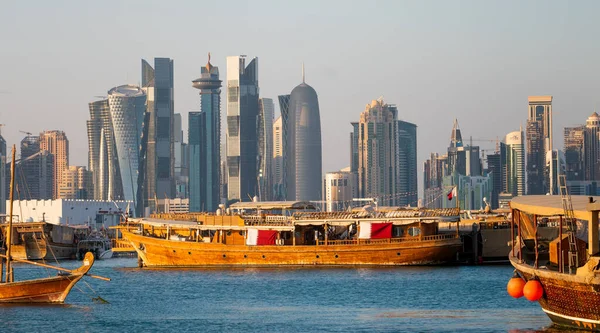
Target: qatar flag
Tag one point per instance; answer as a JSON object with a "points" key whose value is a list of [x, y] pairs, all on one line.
{"points": [[452, 193], [370, 230], [261, 237]]}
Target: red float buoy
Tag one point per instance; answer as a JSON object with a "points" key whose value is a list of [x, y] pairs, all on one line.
{"points": [[533, 290], [515, 286]]}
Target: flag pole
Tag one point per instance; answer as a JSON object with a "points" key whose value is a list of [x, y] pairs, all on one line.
{"points": [[458, 208]]}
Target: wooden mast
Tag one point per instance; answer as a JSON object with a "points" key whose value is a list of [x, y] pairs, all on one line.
{"points": [[9, 271]]}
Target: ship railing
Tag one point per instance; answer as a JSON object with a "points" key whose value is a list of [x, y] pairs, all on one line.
{"points": [[121, 245], [413, 239]]}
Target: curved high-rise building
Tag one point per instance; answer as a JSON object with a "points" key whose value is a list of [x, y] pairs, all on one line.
{"points": [[303, 148], [127, 104]]}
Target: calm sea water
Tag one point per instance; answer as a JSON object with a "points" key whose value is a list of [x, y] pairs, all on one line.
{"points": [[405, 299]]}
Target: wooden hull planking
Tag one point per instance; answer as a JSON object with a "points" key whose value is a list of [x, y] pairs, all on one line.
{"points": [[46, 290], [569, 300], [156, 252]]}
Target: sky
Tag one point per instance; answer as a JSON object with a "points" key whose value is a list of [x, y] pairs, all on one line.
{"points": [[474, 61]]}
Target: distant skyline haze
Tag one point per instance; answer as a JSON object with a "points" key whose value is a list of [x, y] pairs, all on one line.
{"points": [[476, 61]]}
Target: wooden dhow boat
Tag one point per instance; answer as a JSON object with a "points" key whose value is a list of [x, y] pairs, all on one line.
{"points": [[562, 275], [42, 290], [285, 234]]}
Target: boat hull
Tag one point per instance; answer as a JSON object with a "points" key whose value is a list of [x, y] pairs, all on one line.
{"points": [[46, 290], [156, 252], [569, 300]]}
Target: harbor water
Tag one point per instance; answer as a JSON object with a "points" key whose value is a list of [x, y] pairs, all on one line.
{"points": [[402, 299]]}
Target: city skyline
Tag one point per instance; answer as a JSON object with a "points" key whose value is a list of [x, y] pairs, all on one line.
{"points": [[446, 66]]}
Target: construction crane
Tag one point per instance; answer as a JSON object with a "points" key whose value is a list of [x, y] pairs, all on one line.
{"points": [[25, 132]]}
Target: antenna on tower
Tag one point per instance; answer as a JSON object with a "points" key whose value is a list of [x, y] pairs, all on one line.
{"points": [[303, 72]]}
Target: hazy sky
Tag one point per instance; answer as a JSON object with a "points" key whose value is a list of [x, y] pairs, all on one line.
{"points": [[476, 61]]}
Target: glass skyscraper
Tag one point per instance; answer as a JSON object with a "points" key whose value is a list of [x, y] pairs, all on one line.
{"points": [[204, 142], [303, 151], [265, 148], [242, 129], [157, 82], [539, 143], [127, 104], [406, 188], [515, 163]]}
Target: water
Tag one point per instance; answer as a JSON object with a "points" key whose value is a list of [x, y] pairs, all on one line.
{"points": [[405, 299]]}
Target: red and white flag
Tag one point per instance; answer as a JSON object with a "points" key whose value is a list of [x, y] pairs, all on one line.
{"points": [[452, 193], [373, 230], [261, 237]]}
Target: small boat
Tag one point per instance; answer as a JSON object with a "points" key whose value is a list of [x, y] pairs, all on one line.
{"points": [[561, 274], [287, 233], [41, 290], [97, 243]]}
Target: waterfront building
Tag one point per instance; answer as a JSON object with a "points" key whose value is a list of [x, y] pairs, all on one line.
{"points": [[77, 183], [434, 170], [539, 142], [73, 212], [127, 105], [340, 189], [574, 153], [472, 191], [265, 148], [515, 163], [278, 166], [284, 107], [496, 167], [303, 147], [555, 165], [406, 181], [180, 155], [592, 148], [377, 145], [57, 144], [157, 83], [174, 206], [34, 175], [204, 140], [456, 152], [242, 136]]}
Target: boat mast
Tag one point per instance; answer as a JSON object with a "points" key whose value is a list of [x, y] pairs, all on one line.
{"points": [[9, 271]]}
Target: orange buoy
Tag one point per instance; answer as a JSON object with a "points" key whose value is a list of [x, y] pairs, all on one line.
{"points": [[533, 290], [515, 287]]}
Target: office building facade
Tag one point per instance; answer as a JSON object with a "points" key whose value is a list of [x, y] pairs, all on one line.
{"points": [[241, 134], [204, 142], [157, 83], [57, 144], [265, 148], [303, 147], [538, 143]]}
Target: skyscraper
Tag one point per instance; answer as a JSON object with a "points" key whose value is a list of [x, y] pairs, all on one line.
{"points": [[496, 166], [303, 147], [456, 152], [204, 140], [377, 153], [406, 188], [555, 164], [242, 136], [57, 144], [574, 152], [127, 104], [265, 148], [284, 108], [157, 82], [434, 170], [34, 174], [539, 142], [340, 188], [278, 180], [592, 147], [515, 163]]}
